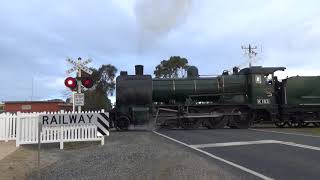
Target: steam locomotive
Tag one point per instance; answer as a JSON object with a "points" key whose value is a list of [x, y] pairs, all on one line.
{"points": [[236, 99]]}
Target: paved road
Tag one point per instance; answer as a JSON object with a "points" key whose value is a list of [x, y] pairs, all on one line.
{"points": [[263, 154]]}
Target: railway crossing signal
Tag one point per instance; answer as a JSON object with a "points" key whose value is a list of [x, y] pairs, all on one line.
{"points": [[87, 82], [75, 83], [71, 83]]}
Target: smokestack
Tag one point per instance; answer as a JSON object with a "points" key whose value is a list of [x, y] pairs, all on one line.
{"points": [[139, 70], [192, 72], [123, 73]]}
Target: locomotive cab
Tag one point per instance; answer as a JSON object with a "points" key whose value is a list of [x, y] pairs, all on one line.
{"points": [[262, 91]]}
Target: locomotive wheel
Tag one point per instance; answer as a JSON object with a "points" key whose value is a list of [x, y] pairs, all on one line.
{"points": [[295, 123], [305, 124], [122, 123], [215, 122], [170, 124], [280, 124], [316, 124], [241, 121], [190, 123]]}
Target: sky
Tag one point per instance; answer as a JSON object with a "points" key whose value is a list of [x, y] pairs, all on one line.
{"points": [[37, 36]]}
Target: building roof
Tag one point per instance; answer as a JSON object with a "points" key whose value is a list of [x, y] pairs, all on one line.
{"points": [[50, 101]]}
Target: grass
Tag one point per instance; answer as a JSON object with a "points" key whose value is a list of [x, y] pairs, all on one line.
{"points": [[315, 131]]}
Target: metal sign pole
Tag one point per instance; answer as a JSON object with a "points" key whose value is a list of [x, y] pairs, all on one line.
{"points": [[39, 146], [73, 106], [79, 84]]}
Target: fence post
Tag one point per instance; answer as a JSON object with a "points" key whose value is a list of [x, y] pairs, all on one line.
{"points": [[6, 127], [61, 137], [102, 141], [1, 126], [18, 129]]}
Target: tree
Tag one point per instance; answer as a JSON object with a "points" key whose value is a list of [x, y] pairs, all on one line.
{"points": [[97, 97], [174, 67]]}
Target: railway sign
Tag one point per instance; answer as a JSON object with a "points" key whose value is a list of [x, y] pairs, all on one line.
{"points": [[79, 65], [85, 69], [101, 120], [78, 99], [71, 70]]}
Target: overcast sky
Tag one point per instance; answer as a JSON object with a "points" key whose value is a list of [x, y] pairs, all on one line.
{"points": [[37, 36]]}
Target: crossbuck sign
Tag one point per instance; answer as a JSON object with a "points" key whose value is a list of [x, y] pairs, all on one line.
{"points": [[101, 120], [79, 65]]}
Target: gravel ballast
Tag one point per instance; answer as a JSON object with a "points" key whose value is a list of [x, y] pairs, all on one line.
{"points": [[133, 155]]}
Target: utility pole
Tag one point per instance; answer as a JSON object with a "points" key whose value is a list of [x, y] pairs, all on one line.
{"points": [[32, 88], [250, 52]]}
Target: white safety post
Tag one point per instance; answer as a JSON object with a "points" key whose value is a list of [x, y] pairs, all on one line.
{"points": [[102, 141]]}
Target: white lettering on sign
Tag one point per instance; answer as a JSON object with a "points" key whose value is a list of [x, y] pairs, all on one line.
{"points": [[101, 120], [79, 99], [26, 107], [70, 119], [263, 101]]}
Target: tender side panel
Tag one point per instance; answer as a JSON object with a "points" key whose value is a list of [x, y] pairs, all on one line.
{"points": [[302, 91]]}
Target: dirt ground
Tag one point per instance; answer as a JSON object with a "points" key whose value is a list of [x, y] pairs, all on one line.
{"points": [[23, 161], [7, 148]]}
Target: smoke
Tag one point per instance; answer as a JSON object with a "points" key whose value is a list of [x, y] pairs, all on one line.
{"points": [[160, 16], [156, 18]]}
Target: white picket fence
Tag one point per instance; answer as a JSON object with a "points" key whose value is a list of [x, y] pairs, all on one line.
{"points": [[23, 127], [8, 126]]}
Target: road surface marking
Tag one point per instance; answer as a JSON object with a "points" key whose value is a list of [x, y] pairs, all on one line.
{"points": [[218, 158], [300, 145], [285, 133], [240, 143]]}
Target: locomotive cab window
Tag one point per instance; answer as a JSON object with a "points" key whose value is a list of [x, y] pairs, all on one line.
{"points": [[268, 79], [258, 79]]}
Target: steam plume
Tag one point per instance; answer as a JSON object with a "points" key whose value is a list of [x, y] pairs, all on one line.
{"points": [[160, 16]]}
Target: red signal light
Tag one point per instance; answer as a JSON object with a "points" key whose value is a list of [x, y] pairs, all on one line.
{"points": [[70, 82], [87, 82]]}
